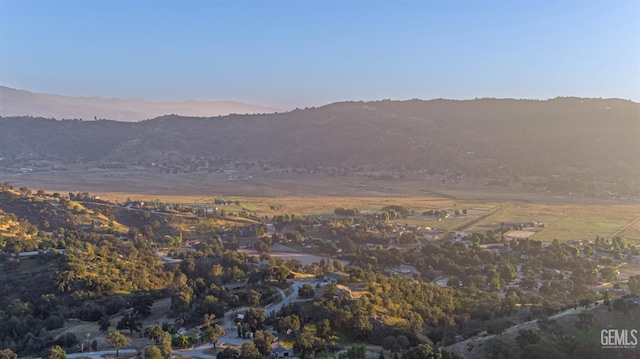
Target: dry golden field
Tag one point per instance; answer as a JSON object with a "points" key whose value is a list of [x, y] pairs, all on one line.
{"points": [[565, 218]]}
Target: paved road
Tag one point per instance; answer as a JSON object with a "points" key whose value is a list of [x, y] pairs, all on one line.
{"points": [[293, 297], [460, 348], [230, 338], [196, 352], [167, 259], [100, 355]]}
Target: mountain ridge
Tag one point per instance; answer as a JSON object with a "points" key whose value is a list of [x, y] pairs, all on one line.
{"points": [[14, 102], [563, 139]]}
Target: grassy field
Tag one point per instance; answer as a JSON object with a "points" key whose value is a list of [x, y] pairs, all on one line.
{"points": [[565, 218], [304, 205], [129, 182], [567, 222], [562, 221], [633, 231], [630, 268]]}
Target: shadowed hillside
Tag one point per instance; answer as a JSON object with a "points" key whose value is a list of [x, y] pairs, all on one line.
{"points": [[489, 138]]}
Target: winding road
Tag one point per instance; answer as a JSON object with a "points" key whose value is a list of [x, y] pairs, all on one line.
{"points": [[230, 338]]}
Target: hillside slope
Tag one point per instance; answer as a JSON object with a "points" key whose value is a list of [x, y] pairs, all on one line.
{"points": [[589, 138], [24, 103]]}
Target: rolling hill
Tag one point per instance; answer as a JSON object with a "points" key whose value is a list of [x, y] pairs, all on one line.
{"points": [[486, 138], [24, 103]]}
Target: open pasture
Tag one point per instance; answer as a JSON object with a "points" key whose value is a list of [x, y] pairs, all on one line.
{"points": [[271, 193], [561, 221], [566, 221]]}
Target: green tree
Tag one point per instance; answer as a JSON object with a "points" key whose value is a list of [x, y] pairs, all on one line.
{"points": [[280, 273], [154, 333], [357, 351], [142, 305], [608, 274], [118, 341], [305, 343], [261, 247], [249, 351], [152, 352], [254, 317], [165, 345], [254, 298], [623, 305], [208, 318], [104, 323], [306, 291], [390, 343], [634, 284], [212, 334], [422, 351], [323, 329], [288, 323], [453, 281], [55, 352], [263, 340], [507, 271], [129, 321], [8, 354], [588, 250], [182, 340], [585, 321], [527, 337], [228, 353]]}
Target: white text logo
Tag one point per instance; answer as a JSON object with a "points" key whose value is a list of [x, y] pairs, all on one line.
{"points": [[621, 339]]}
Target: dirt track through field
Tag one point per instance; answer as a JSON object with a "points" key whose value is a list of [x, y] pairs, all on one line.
{"points": [[473, 222], [625, 227]]}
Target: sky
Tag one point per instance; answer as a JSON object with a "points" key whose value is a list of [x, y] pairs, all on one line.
{"points": [[303, 53]]}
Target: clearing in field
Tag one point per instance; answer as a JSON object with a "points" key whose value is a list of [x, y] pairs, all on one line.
{"points": [[519, 234]]}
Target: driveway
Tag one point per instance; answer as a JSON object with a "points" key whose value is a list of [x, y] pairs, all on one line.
{"points": [[293, 297], [100, 355]]}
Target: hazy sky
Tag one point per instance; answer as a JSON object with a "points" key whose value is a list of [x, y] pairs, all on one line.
{"points": [[307, 53]]}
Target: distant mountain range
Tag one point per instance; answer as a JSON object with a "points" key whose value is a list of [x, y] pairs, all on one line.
{"points": [[591, 139], [24, 103]]}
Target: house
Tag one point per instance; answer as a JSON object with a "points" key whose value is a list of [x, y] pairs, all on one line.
{"points": [[191, 242], [31, 254], [406, 270], [334, 277], [278, 351], [429, 230], [343, 291], [263, 265], [240, 284]]}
